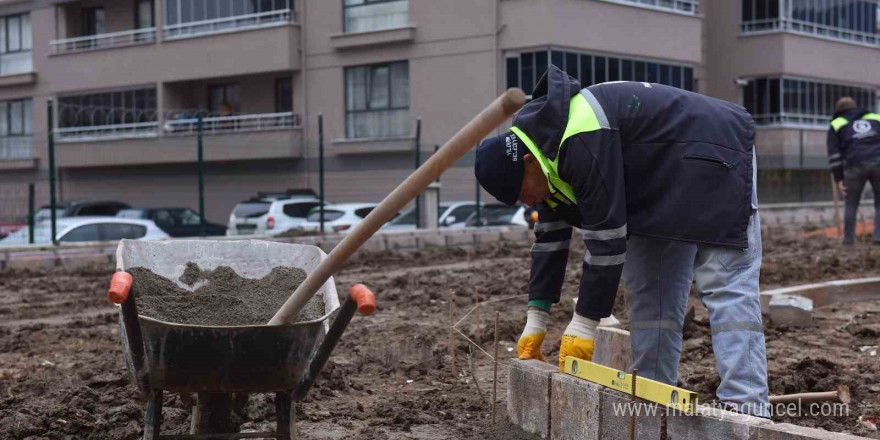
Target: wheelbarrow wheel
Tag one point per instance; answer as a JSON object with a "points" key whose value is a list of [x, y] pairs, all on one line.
{"points": [[284, 419], [153, 416]]}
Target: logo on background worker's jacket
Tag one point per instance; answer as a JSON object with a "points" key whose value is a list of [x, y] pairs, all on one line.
{"points": [[512, 147], [862, 129]]}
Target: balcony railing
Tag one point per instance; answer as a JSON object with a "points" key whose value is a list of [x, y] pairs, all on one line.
{"points": [[688, 7], [228, 24], [106, 132], [104, 41], [180, 123], [793, 120], [16, 62], [376, 15], [809, 28], [16, 147]]}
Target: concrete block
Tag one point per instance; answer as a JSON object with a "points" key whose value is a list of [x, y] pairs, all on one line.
{"points": [[33, 263], [482, 237], [612, 348], [433, 240], [615, 418], [791, 310], [786, 431], [516, 235], [459, 239], [528, 395], [376, 243], [86, 260], [711, 423], [396, 242], [575, 407]]}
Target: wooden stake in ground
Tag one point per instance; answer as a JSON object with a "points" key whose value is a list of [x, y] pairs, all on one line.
{"points": [[840, 395], [452, 329], [495, 373], [632, 414], [477, 333]]}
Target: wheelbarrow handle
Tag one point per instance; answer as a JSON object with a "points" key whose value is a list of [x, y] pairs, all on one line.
{"points": [[119, 293], [360, 298]]}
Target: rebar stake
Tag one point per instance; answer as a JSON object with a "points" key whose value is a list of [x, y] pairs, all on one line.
{"points": [[632, 414], [452, 330]]}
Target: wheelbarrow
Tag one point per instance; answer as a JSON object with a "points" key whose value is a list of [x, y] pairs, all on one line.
{"points": [[219, 361]]}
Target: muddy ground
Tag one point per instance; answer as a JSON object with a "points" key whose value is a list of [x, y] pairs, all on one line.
{"points": [[62, 375]]}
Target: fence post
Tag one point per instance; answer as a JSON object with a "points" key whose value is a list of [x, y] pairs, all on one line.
{"points": [[478, 223], [436, 149], [321, 168], [202, 224], [418, 160], [52, 202], [31, 213]]}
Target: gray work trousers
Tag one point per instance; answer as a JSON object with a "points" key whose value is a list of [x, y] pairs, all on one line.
{"points": [[855, 178]]}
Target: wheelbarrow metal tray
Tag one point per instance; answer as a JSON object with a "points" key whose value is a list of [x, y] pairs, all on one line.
{"points": [[252, 358]]}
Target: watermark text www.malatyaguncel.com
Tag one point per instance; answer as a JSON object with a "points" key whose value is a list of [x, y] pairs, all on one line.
{"points": [[720, 410]]}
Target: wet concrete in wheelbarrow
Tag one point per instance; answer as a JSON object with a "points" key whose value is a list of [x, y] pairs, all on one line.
{"points": [[389, 378], [220, 297]]}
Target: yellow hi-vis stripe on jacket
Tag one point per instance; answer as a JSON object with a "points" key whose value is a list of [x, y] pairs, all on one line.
{"points": [[584, 115], [840, 122]]}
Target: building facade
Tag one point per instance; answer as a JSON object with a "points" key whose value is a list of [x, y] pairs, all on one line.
{"points": [[128, 80]]}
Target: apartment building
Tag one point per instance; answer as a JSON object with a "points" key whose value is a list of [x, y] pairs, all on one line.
{"points": [[128, 79]]}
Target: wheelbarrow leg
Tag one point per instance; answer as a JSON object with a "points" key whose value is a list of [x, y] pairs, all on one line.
{"points": [[283, 421], [153, 416], [214, 414]]}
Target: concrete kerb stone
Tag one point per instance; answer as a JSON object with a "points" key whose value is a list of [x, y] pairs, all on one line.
{"points": [[487, 237], [791, 310], [711, 423], [434, 240], [515, 235], [401, 242], [829, 292], [528, 395], [612, 348], [575, 408], [615, 417], [786, 431], [463, 238]]}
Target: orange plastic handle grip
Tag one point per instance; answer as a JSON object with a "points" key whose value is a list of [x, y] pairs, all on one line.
{"points": [[364, 297], [120, 285]]}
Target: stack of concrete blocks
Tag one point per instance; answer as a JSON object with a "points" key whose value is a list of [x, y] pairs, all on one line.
{"points": [[554, 405], [791, 310]]}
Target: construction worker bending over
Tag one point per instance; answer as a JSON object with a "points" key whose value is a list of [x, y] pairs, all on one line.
{"points": [[657, 177], [854, 157]]}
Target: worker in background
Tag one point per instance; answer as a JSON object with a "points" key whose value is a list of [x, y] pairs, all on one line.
{"points": [[854, 158], [657, 177]]}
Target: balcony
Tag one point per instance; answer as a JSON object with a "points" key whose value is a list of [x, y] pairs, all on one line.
{"points": [[854, 22], [183, 124], [16, 148], [104, 41], [687, 7], [228, 24], [375, 15], [136, 130]]}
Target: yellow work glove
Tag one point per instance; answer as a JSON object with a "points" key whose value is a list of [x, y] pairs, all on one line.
{"points": [[577, 340], [529, 344]]}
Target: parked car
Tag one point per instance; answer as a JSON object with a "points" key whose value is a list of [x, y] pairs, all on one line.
{"points": [[341, 217], [452, 215], [45, 213], [84, 208], [79, 229], [498, 214], [176, 222], [9, 228], [266, 215]]}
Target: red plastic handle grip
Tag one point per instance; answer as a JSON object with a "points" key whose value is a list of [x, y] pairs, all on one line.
{"points": [[364, 297], [120, 285]]}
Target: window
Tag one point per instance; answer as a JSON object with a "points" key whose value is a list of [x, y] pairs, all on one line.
{"points": [[15, 44], [848, 20], [82, 233], [223, 99], [329, 215], [93, 22], [590, 69], [299, 210], [118, 231], [187, 217], [681, 6], [109, 108], [462, 213], [799, 102], [377, 100], [371, 15], [143, 17], [283, 95], [178, 12], [15, 129], [363, 212]]}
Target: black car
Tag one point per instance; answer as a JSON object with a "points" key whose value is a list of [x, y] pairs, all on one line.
{"points": [[176, 222], [107, 208]]}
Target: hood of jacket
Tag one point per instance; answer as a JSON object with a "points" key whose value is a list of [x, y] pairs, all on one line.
{"points": [[545, 117]]}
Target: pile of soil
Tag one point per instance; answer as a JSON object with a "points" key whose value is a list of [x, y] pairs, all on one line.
{"points": [[220, 297]]}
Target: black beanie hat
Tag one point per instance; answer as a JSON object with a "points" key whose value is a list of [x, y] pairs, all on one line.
{"points": [[499, 166]]}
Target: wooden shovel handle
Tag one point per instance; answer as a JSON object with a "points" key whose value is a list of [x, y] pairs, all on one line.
{"points": [[476, 130]]}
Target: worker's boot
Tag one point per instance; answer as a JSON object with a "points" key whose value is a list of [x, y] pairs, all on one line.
{"points": [[529, 344], [578, 339]]}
